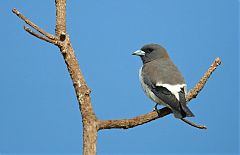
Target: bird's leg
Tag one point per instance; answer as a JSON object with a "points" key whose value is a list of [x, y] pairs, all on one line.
{"points": [[156, 109]]}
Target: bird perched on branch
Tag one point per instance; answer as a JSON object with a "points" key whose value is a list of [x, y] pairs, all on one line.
{"points": [[161, 80]]}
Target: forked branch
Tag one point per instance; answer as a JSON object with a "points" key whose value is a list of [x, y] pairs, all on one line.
{"points": [[26, 20]]}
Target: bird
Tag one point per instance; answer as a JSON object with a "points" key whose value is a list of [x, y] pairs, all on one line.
{"points": [[161, 80]]}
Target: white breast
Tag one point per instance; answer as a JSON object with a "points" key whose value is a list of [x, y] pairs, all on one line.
{"points": [[148, 91]]}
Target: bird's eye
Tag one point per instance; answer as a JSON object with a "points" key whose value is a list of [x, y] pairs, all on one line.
{"points": [[150, 50], [147, 50]]}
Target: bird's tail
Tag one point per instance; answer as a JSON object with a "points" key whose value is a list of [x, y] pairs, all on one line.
{"points": [[184, 111]]}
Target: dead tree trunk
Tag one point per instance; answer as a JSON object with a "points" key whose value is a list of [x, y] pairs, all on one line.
{"points": [[91, 125]]}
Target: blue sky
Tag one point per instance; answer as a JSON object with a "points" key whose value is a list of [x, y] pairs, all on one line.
{"points": [[38, 108]]}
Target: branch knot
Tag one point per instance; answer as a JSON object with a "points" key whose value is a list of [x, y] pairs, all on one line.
{"points": [[62, 36]]}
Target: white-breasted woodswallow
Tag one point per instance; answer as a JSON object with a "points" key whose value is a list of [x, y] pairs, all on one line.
{"points": [[161, 80]]}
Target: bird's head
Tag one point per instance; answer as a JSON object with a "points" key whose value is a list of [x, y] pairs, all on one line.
{"points": [[151, 52]]}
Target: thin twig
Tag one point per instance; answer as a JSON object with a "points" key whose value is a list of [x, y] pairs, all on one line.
{"points": [[193, 124], [30, 23], [39, 36], [199, 86]]}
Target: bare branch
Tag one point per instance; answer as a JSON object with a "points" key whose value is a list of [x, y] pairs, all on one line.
{"points": [[130, 123], [133, 122], [193, 124], [26, 20], [199, 86], [60, 17], [83, 96], [81, 89], [39, 36]]}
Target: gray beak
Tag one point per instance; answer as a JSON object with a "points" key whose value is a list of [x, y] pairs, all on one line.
{"points": [[138, 53]]}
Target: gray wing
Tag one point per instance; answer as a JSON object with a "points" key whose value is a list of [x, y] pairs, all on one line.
{"points": [[166, 96], [178, 107]]}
